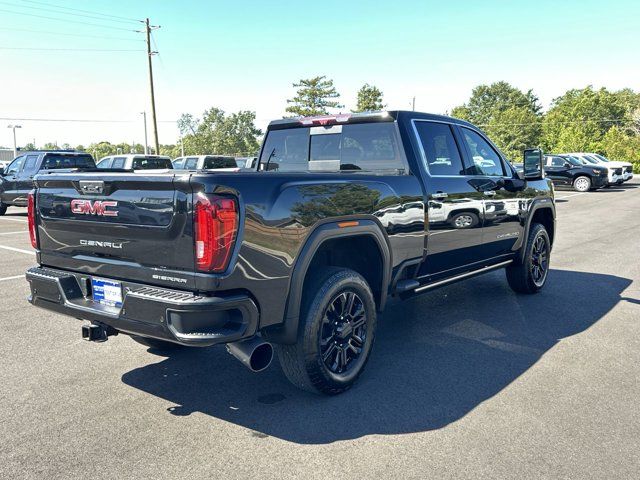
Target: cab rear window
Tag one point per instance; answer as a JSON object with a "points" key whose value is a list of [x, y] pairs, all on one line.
{"points": [[368, 147], [143, 163], [219, 162], [57, 161]]}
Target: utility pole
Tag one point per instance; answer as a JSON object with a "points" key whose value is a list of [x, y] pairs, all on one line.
{"points": [[181, 144], [15, 144], [150, 53], [413, 104], [146, 142]]}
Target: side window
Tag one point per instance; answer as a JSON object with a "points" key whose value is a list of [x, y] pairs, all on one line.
{"points": [[286, 150], [30, 164], [370, 146], [191, 163], [558, 162], [104, 163], [439, 148], [486, 160], [15, 166], [118, 162]]}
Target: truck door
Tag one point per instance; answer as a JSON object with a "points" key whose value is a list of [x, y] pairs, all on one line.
{"points": [[10, 180], [24, 183], [502, 208], [557, 169], [455, 209]]}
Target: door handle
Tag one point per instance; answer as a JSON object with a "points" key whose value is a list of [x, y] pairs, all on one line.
{"points": [[439, 195], [489, 193]]}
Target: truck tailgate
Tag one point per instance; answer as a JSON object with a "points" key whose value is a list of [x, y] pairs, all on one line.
{"points": [[118, 225]]}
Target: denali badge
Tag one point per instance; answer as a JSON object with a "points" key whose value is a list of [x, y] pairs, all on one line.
{"points": [[99, 243], [99, 208], [169, 279]]}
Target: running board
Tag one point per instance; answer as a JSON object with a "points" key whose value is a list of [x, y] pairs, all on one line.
{"points": [[462, 276]]}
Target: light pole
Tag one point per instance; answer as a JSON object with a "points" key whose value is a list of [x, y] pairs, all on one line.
{"points": [[15, 144], [144, 117], [181, 144]]}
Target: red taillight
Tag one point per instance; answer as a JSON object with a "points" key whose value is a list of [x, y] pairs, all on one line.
{"points": [[31, 216], [215, 228]]}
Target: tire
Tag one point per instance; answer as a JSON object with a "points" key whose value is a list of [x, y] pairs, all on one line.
{"points": [[3, 209], [330, 354], [582, 184], [464, 220], [530, 275], [155, 344]]}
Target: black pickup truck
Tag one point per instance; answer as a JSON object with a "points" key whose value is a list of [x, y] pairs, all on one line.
{"points": [[301, 254], [16, 181]]}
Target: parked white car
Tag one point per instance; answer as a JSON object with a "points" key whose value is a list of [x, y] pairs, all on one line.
{"points": [[136, 162], [622, 170], [206, 162]]}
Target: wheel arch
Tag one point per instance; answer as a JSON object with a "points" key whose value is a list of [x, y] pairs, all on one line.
{"points": [[367, 232], [542, 211]]}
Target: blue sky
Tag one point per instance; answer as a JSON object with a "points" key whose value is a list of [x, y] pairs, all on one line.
{"points": [[246, 54]]}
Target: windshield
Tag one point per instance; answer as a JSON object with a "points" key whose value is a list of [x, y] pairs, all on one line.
{"points": [[573, 160], [601, 158], [587, 159], [56, 161], [145, 163]]}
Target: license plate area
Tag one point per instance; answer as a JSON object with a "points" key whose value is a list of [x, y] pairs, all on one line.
{"points": [[107, 292]]}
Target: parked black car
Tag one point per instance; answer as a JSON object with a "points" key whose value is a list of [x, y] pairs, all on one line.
{"points": [[568, 171], [16, 181], [340, 213]]}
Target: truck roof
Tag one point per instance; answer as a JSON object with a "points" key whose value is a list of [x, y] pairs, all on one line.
{"points": [[364, 117]]}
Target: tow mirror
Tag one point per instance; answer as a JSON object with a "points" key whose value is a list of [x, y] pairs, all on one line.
{"points": [[533, 164]]}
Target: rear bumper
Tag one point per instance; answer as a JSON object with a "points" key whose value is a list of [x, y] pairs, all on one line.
{"points": [[627, 176], [148, 311]]}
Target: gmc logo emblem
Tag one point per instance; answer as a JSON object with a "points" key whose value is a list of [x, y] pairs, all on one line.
{"points": [[99, 208]]}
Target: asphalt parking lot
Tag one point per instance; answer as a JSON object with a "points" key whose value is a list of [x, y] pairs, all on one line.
{"points": [[469, 381]]}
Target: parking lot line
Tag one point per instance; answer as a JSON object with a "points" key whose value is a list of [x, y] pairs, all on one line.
{"points": [[569, 196], [21, 220], [13, 233], [15, 277], [19, 250]]}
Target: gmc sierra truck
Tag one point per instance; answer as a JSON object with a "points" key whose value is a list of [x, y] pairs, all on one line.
{"points": [[301, 254]]}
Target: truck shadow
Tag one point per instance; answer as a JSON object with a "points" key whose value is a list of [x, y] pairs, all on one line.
{"points": [[436, 358]]}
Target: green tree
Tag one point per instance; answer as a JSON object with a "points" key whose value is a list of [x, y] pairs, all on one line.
{"points": [[313, 97], [30, 146], [369, 99], [218, 133], [509, 116], [579, 119], [619, 145]]}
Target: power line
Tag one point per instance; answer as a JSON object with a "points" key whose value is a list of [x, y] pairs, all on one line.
{"points": [[64, 13], [80, 10], [71, 34], [71, 49], [66, 21]]}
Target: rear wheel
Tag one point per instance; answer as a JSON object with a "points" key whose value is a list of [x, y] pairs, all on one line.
{"points": [[530, 274], [335, 333], [3, 208], [156, 344], [582, 184]]}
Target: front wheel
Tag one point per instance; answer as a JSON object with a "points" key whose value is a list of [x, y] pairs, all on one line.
{"points": [[335, 333], [582, 184], [530, 274]]}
